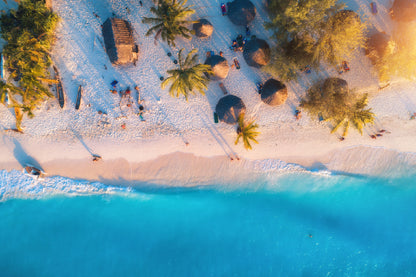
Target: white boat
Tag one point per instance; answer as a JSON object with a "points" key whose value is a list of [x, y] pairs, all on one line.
{"points": [[33, 172]]}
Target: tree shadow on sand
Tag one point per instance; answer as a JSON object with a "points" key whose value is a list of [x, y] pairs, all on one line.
{"points": [[22, 157]]}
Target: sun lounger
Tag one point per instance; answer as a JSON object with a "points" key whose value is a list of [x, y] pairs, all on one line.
{"points": [[224, 90], [215, 117]]}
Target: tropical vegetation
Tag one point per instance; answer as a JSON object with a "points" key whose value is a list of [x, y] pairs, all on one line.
{"points": [[29, 33], [190, 76], [247, 132], [169, 21], [394, 56], [309, 32], [338, 106]]}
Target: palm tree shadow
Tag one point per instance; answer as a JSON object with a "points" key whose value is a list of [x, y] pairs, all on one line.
{"points": [[78, 136], [22, 157]]}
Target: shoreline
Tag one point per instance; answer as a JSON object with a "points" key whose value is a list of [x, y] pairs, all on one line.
{"points": [[179, 169]]}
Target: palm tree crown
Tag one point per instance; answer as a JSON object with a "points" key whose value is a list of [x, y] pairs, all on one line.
{"points": [[247, 132], [170, 17], [341, 108], [356, 115], [188, 77]]}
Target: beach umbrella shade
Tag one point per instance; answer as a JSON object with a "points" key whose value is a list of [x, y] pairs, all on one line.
{"points": [[241, 12], [203, 28], [274, 92], [335, 85], [404, 10], [229, 108], [377, 45], [257, 52], [219, 67]]}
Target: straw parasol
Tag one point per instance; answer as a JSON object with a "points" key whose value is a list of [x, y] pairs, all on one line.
{"points": [[274, 92], [404, 10], [257, 52], [241, 12], [203, 28], [119, 41], [219, 67], [229, 108], [335, 85]]}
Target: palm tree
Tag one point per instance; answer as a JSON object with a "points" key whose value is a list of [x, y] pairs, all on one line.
{"points": [[246, 131], [188, 77], [357, 116], [340, 108], [169, 21]]}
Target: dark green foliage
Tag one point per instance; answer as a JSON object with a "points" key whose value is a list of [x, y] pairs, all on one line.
{"points": [[342, 35], [28, 32], [308, 32], [336, 104], [170, 20]]}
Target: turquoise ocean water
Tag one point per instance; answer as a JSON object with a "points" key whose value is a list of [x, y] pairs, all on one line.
{"points": [[295, 224]]}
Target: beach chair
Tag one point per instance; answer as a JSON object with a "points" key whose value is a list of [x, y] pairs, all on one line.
{"points": [[224, 90]]}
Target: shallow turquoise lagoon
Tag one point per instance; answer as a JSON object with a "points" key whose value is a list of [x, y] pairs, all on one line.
{"points": [[290, 225]]}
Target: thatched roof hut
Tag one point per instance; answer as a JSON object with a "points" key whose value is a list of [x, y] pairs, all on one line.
{"points": [[404, 10], [119, 41], [241, 12], [334, 85], [347, 17], [219, 67], [229, 109], [376, 46], [257, 52], [203, 28], [274, 92]]}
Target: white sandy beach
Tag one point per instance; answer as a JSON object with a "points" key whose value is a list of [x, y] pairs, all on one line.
{"points": [[179, 142]]}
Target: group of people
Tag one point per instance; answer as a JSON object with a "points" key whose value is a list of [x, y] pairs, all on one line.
{"points": [[343, 67]]}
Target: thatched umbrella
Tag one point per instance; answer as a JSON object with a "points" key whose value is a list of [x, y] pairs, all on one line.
{"points": [[203, 28], [335, 85], [404, 10], [376, 46], [257, 52], [274, 92], [219, 67], [241, 12], [229, 108]]}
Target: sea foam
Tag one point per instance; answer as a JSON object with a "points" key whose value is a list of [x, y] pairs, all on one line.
{"points": [[15, 184]]}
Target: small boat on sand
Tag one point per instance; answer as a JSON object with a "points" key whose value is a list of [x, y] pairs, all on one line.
{"points": [[79, 94], [33, 172]]}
